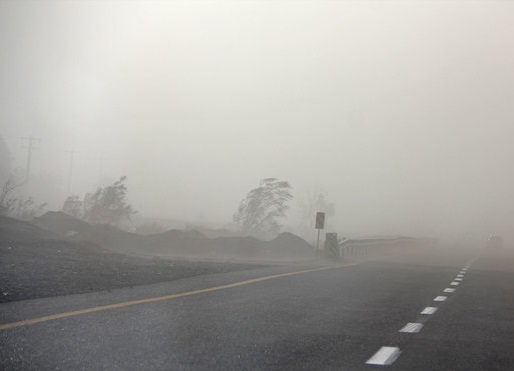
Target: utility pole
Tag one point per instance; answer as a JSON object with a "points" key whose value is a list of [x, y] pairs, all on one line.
{"points": [[320, 224], [70, 171], [30, 147]]}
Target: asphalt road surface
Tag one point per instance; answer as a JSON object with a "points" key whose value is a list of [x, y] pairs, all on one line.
{"points": [[359, 316]]}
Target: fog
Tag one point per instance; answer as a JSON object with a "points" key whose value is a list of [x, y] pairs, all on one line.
{"points": [[400, 112]]}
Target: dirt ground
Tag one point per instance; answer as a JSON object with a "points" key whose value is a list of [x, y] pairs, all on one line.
{"points": [[177, 243], [35, 263]]}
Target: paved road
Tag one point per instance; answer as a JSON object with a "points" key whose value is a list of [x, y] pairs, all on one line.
{"points": [[274, 319]]}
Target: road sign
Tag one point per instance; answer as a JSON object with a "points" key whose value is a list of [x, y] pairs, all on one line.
{"points": [[320, 220]]}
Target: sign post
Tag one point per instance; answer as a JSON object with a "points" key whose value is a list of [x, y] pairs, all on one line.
{"points": [[320, 224]]}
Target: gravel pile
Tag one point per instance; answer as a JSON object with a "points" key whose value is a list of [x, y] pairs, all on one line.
{"points": [[35, 263], [177, 243]]}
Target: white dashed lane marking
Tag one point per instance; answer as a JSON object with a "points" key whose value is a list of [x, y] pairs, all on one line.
{"points": [[429, 310], [384, 357], [387, 355], [412, 327]]}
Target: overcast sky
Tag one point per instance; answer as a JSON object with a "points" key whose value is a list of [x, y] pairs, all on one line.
{"points": [[402, 112]]}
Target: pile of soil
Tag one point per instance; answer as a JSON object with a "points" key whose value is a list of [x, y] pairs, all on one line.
{"points": [[75, 229], [177, 243], [15, 230], [287, 245], [284, 246], [216, 233], [35, 263]]}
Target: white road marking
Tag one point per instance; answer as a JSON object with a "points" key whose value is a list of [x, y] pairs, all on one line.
{"points": [[429, 310], [385, 356], [412, 327]]}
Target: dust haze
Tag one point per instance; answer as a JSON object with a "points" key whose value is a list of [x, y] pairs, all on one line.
{"points": [[400, 113]]}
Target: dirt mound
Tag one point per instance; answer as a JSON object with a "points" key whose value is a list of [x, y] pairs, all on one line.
{"points": [[34, 264], [289, 241], [115, 239], [104, 235], [239, 247], [62, 224], [17, 230], [174, 234], [288, 244], [216, 233], [171, 242], [176, 243], [193, 243]]}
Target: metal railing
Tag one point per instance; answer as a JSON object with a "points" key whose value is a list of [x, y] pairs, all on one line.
{"points": [[363, 246]]}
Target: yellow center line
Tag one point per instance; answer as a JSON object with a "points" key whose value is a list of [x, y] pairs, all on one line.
{"points": [[124, 304]]}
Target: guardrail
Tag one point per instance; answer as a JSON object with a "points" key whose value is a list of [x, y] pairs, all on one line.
{"points": [[363, 246]]}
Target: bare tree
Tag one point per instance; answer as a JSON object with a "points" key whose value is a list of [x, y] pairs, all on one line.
{"points": [[7, 199], [259, 211], [28, 209]]}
